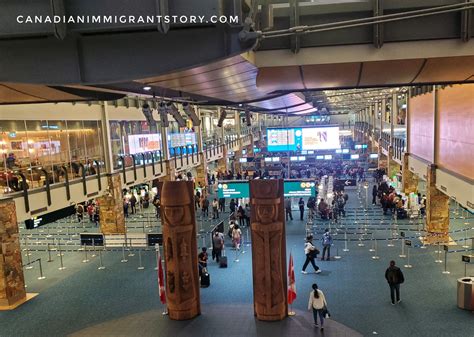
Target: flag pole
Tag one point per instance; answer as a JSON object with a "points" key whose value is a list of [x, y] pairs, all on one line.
{"points": [[290, 275], [161, 281]]}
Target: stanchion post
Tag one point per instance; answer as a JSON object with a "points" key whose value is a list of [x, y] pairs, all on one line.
{"points": [[41, 277], [93, 248], [130, 252], [157, 255], [345, 242], [373, 244], [60, 257], [439, 254], [140, 266], [402, 255], [408, 244], [85, 254], [124, 260], [101, 264], [445, 271], [375, 257], [49, 253]]}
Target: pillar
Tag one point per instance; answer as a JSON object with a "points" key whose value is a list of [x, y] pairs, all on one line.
{"points": [[222, 162], [201, 170], [170, 171], [393, 167], [237, 156], [12, 281], [268, 250], [437, 210], [180, 250], [409, 179], [112, 219]]}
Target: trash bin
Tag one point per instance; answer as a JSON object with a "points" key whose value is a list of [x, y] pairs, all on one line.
{"points": [[466, 293]]}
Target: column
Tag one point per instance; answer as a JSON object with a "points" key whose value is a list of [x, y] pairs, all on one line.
{"points": [[112, 219], [393, 167], [437, 210], [409, 179], [222, 162], [180, 250], [268, 250], [109, 165], [12, 280], [201, 170]]}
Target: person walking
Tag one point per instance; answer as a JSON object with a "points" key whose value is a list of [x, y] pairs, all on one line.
{"points": [[311, 253], [232, 205], [133, 202], [205, 207], [288, 209], [215, 209], [317, 303], [301, 206], [374, 195], [327, 242], [217, 245], [236, 236], [394, 277]]}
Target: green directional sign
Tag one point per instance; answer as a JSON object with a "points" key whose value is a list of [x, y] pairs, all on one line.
{"points": [[300, 188], [231, 189], [241, 189]]}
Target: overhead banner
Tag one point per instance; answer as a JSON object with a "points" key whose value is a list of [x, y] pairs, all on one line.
{"points": [[299, 189], [303, 139]]}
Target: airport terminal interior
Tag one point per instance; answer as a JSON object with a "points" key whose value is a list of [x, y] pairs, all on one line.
{"points": [[237, 168]]}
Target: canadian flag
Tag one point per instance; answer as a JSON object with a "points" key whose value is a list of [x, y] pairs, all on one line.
{"points": [[291, 283], [161, 281]]}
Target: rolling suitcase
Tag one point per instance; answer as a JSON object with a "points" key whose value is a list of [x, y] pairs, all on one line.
{"points": [[205, 279], [223, 260]]}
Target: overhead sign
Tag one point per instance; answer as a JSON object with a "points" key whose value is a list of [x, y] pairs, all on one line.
{"points": [[233, 189], [466, 258], [299, 189], [241, 189], [50, 217]]}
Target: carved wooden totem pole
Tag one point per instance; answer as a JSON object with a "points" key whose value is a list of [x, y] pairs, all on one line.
{"points": [[180, 249], [268, 250]]}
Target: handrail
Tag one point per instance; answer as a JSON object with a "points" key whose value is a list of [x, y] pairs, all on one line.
{"points": [[144, 164], [124, 173], [134, 167], [152, 154]]}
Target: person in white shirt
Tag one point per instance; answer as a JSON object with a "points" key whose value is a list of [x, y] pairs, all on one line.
{"points": [[317, 302], [311, 252], [236, 235]]}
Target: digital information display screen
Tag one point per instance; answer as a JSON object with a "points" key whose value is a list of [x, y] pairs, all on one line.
{"points": [[144, 143], [241, 189], [303, 139], [229, 189]]}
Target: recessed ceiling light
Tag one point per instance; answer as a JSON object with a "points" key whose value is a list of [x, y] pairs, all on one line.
{"points": [[147, 88]]}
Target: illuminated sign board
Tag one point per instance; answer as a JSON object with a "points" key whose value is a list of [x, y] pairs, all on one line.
{"points": [[144, 143], [299, 189], [303, 139], [233, 189]]}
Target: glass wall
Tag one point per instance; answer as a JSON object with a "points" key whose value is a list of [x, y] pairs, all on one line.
{"points": [[41, 148], [132, 137]]}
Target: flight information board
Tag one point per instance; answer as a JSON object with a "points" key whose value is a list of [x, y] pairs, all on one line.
{"points": [[303, 139]]}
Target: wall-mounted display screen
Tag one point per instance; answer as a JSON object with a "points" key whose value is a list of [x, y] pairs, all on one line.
{"points": [[268, 159], [345, 150], [182, 139], [373, 156], [303, 139], [242, 160], [276, 159], [354, 156], [144, 143], [319, 157], [328, 157]]}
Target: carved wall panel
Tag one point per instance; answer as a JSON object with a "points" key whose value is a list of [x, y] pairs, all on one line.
{"points": [[12, 281], [112, 218], [268, 249]]}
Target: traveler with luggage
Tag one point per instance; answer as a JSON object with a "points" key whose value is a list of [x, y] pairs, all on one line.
{"points": [[311, 253], [202, 260], [217, 245], [327, 242], [317, 303]]}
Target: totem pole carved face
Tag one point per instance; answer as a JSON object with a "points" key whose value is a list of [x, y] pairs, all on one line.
{"points": [[266, 213], [175, 214]]}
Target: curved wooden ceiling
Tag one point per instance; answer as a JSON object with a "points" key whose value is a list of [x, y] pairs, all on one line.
{"points": [[237, 80]]}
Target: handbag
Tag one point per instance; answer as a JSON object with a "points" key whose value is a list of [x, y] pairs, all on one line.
{"points": [[326, 313]]}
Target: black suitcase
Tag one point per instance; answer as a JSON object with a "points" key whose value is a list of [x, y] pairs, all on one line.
{"points": [[223, 260], [205, 279]]}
